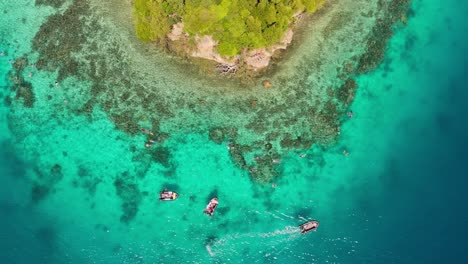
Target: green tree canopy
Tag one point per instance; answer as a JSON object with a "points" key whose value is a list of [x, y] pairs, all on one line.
{"points": [[236, 24]]}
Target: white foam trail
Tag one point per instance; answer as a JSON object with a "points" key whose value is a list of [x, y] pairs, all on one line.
{"points": [[288, 216], [226, 244], [287, 231], [208, 248]]}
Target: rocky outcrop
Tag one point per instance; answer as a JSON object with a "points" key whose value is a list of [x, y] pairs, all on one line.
{"points": [[258, 59], [205, 48], [177, 32], [267, 84]]}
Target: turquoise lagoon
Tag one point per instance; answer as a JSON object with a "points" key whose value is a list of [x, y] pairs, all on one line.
{"points": [[74, 191]]}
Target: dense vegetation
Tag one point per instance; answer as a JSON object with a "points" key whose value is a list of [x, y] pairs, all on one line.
{"points": [[236, 24]]}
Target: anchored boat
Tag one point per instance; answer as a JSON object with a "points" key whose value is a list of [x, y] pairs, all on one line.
{"points": [[168, 196], [210, 208], [309, 226]]}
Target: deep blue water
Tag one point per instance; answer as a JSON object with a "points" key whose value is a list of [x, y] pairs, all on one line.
{"points": [[422, 206]]}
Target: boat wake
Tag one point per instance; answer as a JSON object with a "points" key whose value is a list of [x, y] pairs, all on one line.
{"points": [[231, 243], [208, 248], [289, 230]]}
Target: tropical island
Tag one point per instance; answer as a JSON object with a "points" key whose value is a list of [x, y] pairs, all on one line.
{"points": [[231, 33], [138, 86], [90, 48]]}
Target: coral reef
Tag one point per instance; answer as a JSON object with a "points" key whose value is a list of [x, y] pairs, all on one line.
{"points": [[162, 155], [346, 92], [21, 87], [45, 182], [303, 107], [86, 181], [53, 3], [382, 31], [56, 46], [130, 194]]}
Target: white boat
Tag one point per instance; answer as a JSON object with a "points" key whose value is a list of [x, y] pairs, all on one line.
{"points": [[309, 226], [210, 208], [168, 196]]}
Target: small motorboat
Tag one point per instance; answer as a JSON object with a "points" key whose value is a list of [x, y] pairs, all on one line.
{"points": [[309, 226], [210, 208], [168, 196]]}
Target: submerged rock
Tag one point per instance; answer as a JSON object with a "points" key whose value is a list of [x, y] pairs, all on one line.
{"points": [[267, 84]]}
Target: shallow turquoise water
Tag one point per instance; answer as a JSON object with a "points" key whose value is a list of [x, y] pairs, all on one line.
{"points": [[397, 198]]}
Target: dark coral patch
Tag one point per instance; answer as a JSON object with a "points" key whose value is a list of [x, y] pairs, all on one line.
{"points": [[347, 92], [213, 194], [271, 205], [39, 191], [20, 64], [299, 142], [91, 185], [56, 170], [162, 155], [25, 91], [265, 169], [7, 101], [218, 135], [210, 239], [125, 121], [54, 45], [53, 3], [45, 182], [87, 107], [130, 195], [236, 153], [381, 33]]}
